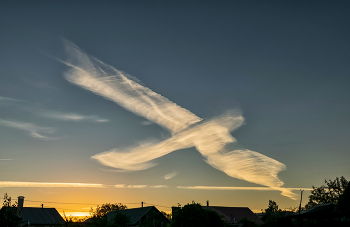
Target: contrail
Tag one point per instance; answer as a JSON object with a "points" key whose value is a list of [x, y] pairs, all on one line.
{"points": [[211, 138]]}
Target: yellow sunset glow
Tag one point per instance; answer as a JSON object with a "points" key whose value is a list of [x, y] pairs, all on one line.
{"points": [[75, 214]]}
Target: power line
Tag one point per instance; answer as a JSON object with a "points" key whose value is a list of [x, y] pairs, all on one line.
{"points": [[58, 202], [157, 205], [43, 202]]}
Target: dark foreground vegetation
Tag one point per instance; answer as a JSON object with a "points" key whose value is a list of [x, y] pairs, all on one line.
{"points": [[192, 215], [9, 216], [328, 205]]}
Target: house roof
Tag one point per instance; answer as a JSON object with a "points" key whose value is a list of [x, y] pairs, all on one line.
{"points": [[234, 214], [42, 216], [135, 214], [317, 207]]}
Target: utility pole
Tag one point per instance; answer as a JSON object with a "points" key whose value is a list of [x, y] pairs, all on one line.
{"points": [[141, 204], [301, 198]]}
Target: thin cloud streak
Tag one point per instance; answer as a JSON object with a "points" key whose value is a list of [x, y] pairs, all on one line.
{"points": [[72, 117], [211, 138], [170, 175], [146, 123], [2, 98], [238, 188], [160, 186], [139, 186], [18, 184], [34, 131], [6, 159]]}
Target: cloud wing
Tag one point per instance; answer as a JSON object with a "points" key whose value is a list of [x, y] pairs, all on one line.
{"points": [[106, 81], [210, 139], [139, 157]]}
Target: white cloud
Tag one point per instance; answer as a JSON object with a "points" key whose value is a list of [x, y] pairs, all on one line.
{"points": [[104, 80], [211, 138], [72, 116], [34, 131], [170, 175], [18, 184]]}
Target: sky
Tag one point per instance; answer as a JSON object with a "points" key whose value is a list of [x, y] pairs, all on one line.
{"points": [[235, 102]]}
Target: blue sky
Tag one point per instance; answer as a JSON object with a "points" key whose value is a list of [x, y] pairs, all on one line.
{"points": [[282, 66]]}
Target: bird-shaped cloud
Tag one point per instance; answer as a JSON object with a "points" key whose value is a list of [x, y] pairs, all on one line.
{"points": [[211, 138]]}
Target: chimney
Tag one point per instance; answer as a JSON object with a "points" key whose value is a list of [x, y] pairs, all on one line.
{"points": [[20, 205], [207, 203]]}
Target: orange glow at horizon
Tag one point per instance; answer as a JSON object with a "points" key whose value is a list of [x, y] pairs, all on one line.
{"points": [[75, 214]]}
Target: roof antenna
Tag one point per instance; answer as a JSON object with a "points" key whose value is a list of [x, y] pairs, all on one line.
{"points": [[301, 198]]}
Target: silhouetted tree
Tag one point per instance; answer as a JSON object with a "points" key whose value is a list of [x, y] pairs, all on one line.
{"points": [[329, 193], [105, 208], [167, 215], [343, 205], [192, 215], [272, 207], [72, 221], [247, 223], [9, 214], [120, 220], [98, 217], [272, 213]]}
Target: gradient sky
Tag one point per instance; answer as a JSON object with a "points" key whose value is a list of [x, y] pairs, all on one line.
{"points": [[283, 66]]}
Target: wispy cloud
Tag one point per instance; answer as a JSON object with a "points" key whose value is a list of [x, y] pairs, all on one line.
{"points": [[211, 138], [208, 135], [104, 80], [6, 159], [159, 186], [285, 191], [146, 123], [34, 130], [8, 99], [136, 186], [238, 188], [170, 175], [18, 184], [139, 186], [72, 116]]}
